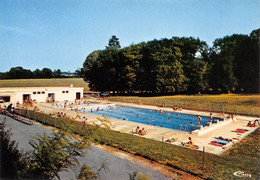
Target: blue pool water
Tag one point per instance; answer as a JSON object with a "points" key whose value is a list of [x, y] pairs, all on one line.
{"points": [[90, 103], [179, 121]]}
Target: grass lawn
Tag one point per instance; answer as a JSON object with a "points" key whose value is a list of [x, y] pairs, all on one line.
{"points": [[229, 103], [77, 82]]}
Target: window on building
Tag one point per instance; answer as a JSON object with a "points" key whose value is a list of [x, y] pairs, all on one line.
{"points": [[5, 99], [43, 92], [38, 92], [63, 91], [34, 92], [67, 91]]}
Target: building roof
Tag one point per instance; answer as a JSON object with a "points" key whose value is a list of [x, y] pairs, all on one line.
{"points": [[15, 89]]}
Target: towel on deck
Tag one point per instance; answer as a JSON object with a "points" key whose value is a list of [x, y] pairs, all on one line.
{"points": [[214, 143], [220, 141], [241, 130]]}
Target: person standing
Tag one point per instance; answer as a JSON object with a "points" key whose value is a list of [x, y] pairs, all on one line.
{"points": [[199, 119], [84, 121], [210, 118]]}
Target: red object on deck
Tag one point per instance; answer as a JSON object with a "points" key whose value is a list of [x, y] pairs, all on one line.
{"points": [[241, 130], [214, 143]]}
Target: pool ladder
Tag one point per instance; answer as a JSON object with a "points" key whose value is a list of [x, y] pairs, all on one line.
{"points": [[183, 128]]}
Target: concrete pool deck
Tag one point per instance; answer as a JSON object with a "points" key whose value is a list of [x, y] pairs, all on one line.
{"points": [[156, 133]]}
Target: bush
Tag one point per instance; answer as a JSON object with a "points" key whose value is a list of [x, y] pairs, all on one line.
{"points": [[10, 156]]}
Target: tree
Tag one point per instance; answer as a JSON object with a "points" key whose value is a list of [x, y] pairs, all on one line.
{"points": [[59, 151], [168, 70], [87, 173], [51, 153], [38, 73], [247, 63], [183, 64], [114, 41], [19, 73], [79, 72], [47, 73], [195, 62], [224, 56], [93, 71], [11, 157], [57, 73], [102, 69], [54, 153], [129, 63]]}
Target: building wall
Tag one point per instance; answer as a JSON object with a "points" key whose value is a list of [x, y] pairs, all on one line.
{"points": [[41, 94]]}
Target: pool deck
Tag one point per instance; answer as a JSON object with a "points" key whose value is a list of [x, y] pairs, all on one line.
{"points": [[157, 133]]}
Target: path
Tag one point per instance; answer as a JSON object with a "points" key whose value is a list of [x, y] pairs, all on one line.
{"points": [[119, 168]]}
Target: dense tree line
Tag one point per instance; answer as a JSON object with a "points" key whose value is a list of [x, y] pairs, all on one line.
{"points": [[21, 73], [176, 65]]}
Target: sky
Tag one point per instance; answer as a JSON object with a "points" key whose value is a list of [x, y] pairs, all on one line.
{"points": [[60, 34]]}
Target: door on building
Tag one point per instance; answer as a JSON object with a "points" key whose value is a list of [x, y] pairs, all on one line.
{"points": [[51, 97], [26, 98], [78, 95]]}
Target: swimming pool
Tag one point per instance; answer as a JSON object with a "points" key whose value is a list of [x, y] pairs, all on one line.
{"points": [[172, 120]]}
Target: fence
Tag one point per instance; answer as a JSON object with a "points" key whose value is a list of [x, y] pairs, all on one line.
{"points": [[195, 162], [163, 152]]}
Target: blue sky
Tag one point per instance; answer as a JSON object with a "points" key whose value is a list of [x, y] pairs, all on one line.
{"points": [[60, 34]]}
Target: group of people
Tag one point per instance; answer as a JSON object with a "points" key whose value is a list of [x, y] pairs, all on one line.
{"points": [[86, 102], [111, 107], [176, 108], [9, 110], [29, 102], [77, 102], [140, 131], [198, 120], [231, 117], [61, 114], [70, 105], [255, 124]]}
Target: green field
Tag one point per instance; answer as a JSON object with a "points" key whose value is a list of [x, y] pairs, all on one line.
{"points": [[228, 103], [77, 82]]}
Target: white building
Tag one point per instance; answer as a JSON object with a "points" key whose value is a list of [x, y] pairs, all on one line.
{"points": [[40, 94]]}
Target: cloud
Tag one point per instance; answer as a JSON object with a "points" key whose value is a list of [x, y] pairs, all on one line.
{"points": [[17, 30]]}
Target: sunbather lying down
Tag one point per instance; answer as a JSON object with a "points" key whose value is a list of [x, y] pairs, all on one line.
{"points": [[190, 144], [171, 140]]}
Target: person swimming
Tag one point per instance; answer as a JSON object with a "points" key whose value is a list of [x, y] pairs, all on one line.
{"points": [[192, 124]]}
